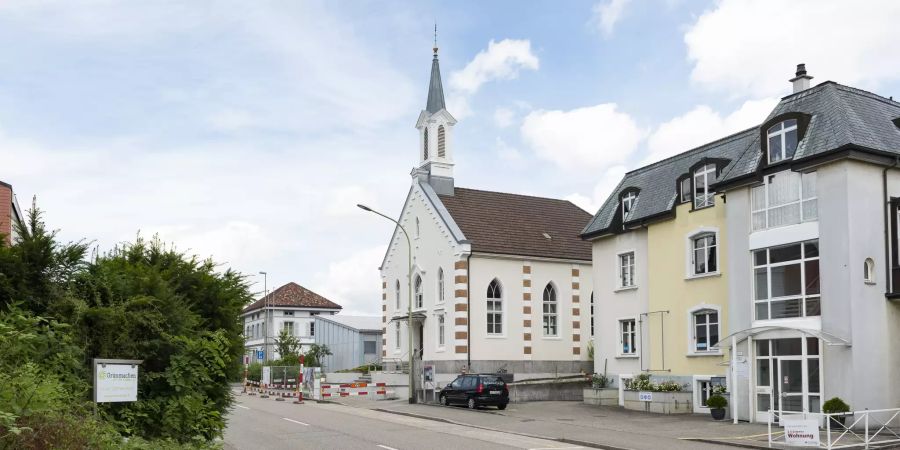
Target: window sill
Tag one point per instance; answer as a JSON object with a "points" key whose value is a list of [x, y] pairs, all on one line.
{"points": [[871, 283], [626, 356], [552, 338], [495, 336], [440, 349], [626, 288], [704, 275], [701, 354], [695, 209]]}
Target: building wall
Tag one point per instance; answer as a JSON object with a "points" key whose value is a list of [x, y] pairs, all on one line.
{"points": [[673, 288], [302, 319], [346, 345], [6, 213], [612, 304]]}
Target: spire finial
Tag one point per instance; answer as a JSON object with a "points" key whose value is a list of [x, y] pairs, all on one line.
{"points": [[435, 38]]}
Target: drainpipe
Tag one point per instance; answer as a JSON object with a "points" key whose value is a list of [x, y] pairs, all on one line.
{"points": [[887, 226], [469, 312]]}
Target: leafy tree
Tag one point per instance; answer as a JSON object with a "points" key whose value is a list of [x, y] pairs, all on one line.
{"points": [[315, 353], [288, 345]]}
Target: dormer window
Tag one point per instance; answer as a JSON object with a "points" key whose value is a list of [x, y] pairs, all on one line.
{"points": [[685, 194], [703, 177], [628, 204], [782, 140]]}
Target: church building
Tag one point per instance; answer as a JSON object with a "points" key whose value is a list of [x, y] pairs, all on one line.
{"points": [[500, 282]]}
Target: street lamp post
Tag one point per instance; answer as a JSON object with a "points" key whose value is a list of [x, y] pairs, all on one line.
{"points": [[412, 394], [266, 316]]}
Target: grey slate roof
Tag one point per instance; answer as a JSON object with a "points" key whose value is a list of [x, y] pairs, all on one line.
{"points": [[841, 116], [435, 89], [657, 181]]}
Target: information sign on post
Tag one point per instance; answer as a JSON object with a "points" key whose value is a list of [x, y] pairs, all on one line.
{"points": [[801, 433], [115, 380]]}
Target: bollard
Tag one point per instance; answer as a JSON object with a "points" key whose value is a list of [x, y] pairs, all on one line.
{"points": [[299, 400]]}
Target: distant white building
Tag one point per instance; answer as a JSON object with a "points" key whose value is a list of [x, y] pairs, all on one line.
{"points": [[353, 340], [292, 308]]}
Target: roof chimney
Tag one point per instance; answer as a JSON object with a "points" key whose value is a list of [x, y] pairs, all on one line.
{"points": [[801, 80]]}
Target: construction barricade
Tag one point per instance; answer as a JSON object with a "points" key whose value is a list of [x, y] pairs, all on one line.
{"points": [[330, 391]]}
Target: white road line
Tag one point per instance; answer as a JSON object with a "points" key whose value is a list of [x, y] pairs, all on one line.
{"points": [[385, 447], [296, 421], [242, 406]]}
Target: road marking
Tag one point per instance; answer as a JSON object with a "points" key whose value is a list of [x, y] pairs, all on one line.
{"points": [[385, 447], [296, 421], [242, 406]]}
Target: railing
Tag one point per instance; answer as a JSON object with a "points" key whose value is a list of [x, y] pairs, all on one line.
{"points": [[867, 428], [395, 365]]}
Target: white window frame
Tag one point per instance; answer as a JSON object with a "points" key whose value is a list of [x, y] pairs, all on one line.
{"points": [[494, 302], [592, 314], [312, 328], [696, 380], [548, 317], [766, 208], [628, 201], [418, 291], [802, 297], [619, 270], [869, 271], [635, 337], [684, 194], [690, 254], [288, 324], [692, 330], [441, 319], [703, 174], [781, 132]]}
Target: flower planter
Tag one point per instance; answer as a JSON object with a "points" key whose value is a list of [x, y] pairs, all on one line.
{"points": [[718, 413], [661, 402], [601, 396], [837, 422]]}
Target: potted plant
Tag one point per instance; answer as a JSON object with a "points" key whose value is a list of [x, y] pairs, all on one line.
{"points": [[716, 404], [836, 406]]}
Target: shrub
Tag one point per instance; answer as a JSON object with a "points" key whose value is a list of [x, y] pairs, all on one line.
{"points": [[716, 401], [668, 386], [600, 381], [835, 405]]}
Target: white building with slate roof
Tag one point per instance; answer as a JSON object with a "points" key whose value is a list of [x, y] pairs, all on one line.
{"points": [[500, 282]]}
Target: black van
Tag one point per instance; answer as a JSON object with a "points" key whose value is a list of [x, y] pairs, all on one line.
{"points": [[475, 390]]}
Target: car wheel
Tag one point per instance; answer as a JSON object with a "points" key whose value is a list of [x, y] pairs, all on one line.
{"points": [[501, 407], [471, 403], [445, 400]]}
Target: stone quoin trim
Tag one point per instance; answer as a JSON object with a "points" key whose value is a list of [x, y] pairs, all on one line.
{"points": [[526, 309], [384, 313], [461, 307], [576, 312]]}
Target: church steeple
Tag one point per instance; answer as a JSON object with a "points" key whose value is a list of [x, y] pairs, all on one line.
{"points": [[435, 127], [435, 89]]}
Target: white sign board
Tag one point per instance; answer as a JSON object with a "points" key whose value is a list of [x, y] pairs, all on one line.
{"points": [[801, 433], [645, 396], [266, 375], [115, 381]]}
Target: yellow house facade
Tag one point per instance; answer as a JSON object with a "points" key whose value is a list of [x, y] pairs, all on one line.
{"points": [[688, 297]]}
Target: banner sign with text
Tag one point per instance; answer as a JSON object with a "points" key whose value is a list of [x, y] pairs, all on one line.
{"points": [[802, 433], [115, 380]]}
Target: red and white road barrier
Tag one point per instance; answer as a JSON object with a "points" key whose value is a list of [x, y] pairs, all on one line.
{"points": [[353, 389]]}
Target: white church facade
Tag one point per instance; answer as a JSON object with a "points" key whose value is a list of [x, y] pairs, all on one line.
{"points": [[500, 282]]}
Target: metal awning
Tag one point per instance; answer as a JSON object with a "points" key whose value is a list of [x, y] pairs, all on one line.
{"points": [[416, 317], [827, 338]]}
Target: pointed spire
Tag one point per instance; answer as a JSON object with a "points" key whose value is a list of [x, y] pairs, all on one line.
{"points": [[435, 89]]}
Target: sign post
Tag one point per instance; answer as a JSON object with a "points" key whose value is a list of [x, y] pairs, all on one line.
{"points": [[115, 380]]}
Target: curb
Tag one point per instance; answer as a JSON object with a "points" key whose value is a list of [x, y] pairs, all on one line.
{"points": [[731, 444], [535, 436]]}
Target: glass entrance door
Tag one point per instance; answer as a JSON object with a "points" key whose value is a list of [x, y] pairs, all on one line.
{"points": [[790, 384]]}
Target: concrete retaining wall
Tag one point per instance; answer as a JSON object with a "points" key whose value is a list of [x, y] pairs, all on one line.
{"points": [[547, 390], [601, 397], [663, 402], [342, 377]]}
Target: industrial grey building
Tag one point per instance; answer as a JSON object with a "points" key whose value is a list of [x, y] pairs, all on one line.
{"points": [[353, 340]]}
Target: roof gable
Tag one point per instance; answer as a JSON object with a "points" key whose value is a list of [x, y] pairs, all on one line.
{"points": [[292, 295]]}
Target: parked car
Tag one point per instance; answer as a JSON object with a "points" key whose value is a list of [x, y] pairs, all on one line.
{"points": [[474, 390]]}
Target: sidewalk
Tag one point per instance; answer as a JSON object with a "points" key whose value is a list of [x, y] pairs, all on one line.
{"points": [[580, 424]]}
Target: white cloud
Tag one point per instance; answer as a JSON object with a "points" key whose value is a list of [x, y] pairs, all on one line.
{"points": [[343, 201], [503, 117], [501, 61], [702, 125], [458, 105], [608, 181], [354, 282], [507, 152], [587, 138], [607, 14], [750, 47]]}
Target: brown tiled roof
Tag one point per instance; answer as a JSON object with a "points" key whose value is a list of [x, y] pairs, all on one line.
{"points": [[293, 295], [511, 224]]}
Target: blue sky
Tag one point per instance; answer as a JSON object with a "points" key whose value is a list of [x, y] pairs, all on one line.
{"points": [[247, 131]]}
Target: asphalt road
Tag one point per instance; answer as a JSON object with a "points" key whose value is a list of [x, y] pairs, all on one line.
{"points": [[256, 423]]}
